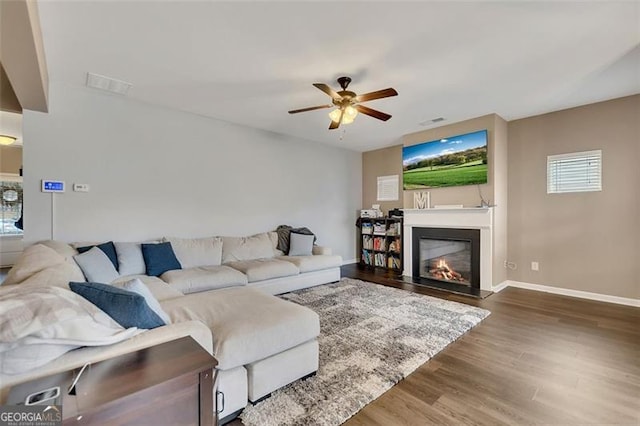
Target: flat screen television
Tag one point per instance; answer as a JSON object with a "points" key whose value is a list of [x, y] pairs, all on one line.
{"points": [[455, 161]]}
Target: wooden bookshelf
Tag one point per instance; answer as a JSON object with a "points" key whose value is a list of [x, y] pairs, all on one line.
{"points": [[381, 243]]}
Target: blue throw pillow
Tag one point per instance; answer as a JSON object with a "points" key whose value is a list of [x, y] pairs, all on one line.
{"points": [[127, 308], [108, 248], [159, 258]]}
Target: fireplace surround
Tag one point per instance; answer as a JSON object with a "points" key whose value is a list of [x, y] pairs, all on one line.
{"points": [[475, 218], [446, 255]]}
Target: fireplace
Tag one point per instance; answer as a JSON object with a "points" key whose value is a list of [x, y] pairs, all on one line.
{"points": [[446, 256]]}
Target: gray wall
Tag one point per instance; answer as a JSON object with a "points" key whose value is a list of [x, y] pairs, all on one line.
{"points": [[583, 241], [157, 172]]}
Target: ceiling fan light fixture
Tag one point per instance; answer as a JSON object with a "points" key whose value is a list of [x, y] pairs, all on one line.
{"points": [[335, 115], [7, 140], [349, 115]]}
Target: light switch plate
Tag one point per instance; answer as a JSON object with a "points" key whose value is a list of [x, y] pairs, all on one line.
{"points": [[81, 187]]}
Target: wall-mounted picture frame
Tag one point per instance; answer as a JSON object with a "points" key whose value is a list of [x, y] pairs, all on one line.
{"points": [[454, 161]]}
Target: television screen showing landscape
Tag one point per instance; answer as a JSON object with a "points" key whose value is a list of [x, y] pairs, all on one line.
{"points": [[454, 161]]}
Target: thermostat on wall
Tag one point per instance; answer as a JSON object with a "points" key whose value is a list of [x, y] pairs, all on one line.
{"points": [[52, 185]]}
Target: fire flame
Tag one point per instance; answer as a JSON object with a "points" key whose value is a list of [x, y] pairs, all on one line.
{"points": [[443, 264]]}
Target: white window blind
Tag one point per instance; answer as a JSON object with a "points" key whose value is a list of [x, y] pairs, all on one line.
{"points": [[575, 172]]}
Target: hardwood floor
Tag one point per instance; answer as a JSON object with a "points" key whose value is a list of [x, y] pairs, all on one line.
{"points": [[538, 358]]}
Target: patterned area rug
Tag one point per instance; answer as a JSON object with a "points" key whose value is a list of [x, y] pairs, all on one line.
{"points": [[371, 337]]}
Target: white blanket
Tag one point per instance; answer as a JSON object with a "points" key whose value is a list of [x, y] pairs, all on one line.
{"points": [[39, 324], [42, 266]]}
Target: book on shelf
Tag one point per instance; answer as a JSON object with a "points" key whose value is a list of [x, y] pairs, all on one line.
{"points": [[379, 228], [395, 245], [394, 228], [393, 262], [379, 259], [367, 242], [367, 228], [366, 258], [378, 243]]}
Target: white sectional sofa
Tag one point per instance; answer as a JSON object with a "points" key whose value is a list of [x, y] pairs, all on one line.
{"points": [[226, 287]]}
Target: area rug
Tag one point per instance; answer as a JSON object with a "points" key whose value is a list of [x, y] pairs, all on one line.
{"points": [[371, 337]]}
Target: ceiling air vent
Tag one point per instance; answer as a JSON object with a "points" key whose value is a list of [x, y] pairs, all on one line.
{"points": [[108, 84], [432, 121]]}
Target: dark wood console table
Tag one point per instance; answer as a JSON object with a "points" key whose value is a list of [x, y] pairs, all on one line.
{"points": [[168, 384]]}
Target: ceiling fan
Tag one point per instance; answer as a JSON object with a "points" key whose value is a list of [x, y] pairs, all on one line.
{"points": [[348, 103]]}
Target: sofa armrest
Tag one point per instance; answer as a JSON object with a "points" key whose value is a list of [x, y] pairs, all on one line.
{"points": [[317, 250], [77, 358]]}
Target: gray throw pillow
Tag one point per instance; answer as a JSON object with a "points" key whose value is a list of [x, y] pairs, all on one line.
{"points": [[284, 232], [130, 259], [300, 244], [96, 266]]}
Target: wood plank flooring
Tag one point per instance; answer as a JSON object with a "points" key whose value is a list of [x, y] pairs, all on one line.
{"points": [[538, 358]]}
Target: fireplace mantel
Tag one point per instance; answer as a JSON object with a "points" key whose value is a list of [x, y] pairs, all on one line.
{"points": [[470, 218]]}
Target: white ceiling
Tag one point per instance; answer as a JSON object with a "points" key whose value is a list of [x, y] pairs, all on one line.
{"points": [[251, 62]]}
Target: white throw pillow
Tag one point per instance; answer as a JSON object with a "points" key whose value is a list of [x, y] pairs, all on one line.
{"points": [[194, 252], [301, 244], [130, 259], [137, 286], [96, 266]]}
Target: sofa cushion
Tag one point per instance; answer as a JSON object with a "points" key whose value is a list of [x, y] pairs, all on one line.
{"points": [[273, 236], [159, 258], [313, 263], [264, 269], [247, 325], [130, 259], [204, 278], [127, 308], [193, 252], [245, 248], [67, 251], [96, 266]]}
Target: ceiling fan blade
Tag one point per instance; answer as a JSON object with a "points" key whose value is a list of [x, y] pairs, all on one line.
{"points": [[336, 124], [295, 111], [328, 90], [372, 112], [385, 93]]}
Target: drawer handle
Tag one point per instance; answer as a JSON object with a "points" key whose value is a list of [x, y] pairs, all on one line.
{"points": [[220, 406]]}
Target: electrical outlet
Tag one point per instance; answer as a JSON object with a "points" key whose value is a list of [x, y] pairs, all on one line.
{"points": [[505, 265], [535, 266], [81, 187]]}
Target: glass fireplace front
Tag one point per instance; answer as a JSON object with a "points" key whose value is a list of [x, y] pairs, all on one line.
{"points": [[446, 260]]}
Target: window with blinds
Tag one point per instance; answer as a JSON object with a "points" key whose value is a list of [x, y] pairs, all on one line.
{"points": [[575, 172]]}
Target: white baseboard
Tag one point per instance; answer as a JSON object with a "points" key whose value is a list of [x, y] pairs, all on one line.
{"points": [[568, 292], [349, 261], [499, 287]]}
